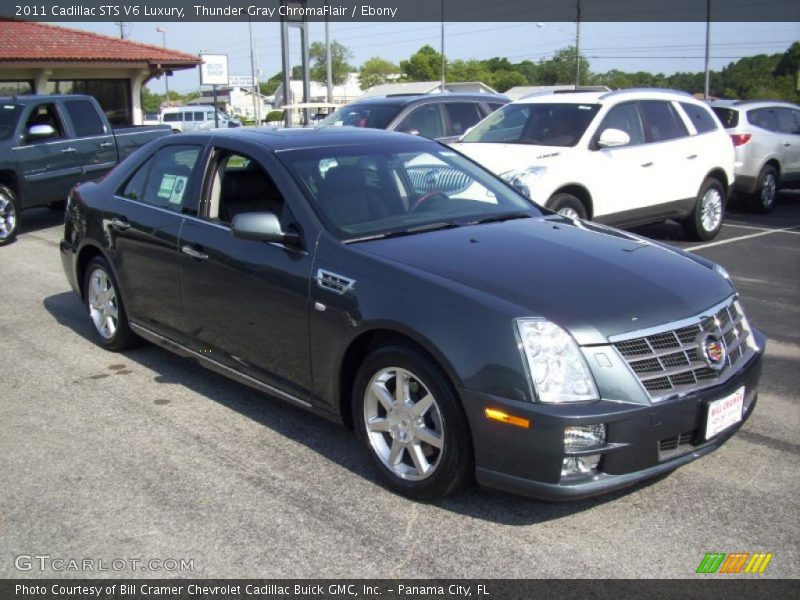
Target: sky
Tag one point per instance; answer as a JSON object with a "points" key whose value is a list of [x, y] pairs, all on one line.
{"points": [[655, 47]]}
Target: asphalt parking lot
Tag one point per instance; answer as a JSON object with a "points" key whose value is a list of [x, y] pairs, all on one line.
{"points": [[146, 455]]}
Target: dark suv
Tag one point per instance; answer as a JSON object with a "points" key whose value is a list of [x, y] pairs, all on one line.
{"points": [[444, 117]]}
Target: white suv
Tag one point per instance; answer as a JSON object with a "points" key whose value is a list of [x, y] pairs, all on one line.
{"points": [[626, 157]]}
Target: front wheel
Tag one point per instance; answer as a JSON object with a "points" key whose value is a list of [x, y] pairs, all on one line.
{"points": [[567, 205], [9, 215], [763, 200], [411, 424], [709, 210], [105, 307]]}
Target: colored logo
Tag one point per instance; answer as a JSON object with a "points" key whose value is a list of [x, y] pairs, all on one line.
{"points": [[735, 562], [714, 351]]}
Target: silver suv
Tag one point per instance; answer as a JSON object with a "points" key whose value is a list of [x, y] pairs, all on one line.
{"points": [[766, 139]]}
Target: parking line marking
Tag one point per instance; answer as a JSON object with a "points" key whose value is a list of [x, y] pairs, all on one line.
{"points": [[757, 228], [742, 238]]}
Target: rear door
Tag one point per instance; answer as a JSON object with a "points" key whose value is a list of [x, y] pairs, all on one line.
{"points": [[246, 302], [93, 141], [143, 227], [789, 131]]}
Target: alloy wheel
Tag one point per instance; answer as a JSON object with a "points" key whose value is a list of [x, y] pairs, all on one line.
{"points": [[103, 305], [404, 423], [711, 209], [8, 216], [769, 188]]}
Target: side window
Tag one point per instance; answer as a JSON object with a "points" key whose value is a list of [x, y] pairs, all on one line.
{"points": [[134, 188], [787, 123], [209, 116], [169, 179], [764, 118], [171, 117], [198, 116], [662, 122], [187, 116], [44, 114], [85, 118], [494, 106], [702, 120], [426, 119], [241, 185], [624, 117], [463, 115]]}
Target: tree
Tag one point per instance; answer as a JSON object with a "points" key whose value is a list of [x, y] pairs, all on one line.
{"points": [[424, 65], [468, 70], [340, 67], [506, 79], [561, 68], [376, 71]]}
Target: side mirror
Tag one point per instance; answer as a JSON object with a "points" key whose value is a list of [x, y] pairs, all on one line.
{"points": [[612, 138], [261, 227], [40, 132]]}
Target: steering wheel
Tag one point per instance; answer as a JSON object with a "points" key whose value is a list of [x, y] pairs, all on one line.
{"points": [[426, 198]]}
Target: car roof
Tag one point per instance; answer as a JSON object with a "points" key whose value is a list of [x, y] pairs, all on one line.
{"points": [[610, 97], [281, 139], [749, 104], [27, 98], [406, 99]]}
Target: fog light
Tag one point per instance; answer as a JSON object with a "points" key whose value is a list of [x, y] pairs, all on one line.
{"points": [[584, 437], [579, 465]]}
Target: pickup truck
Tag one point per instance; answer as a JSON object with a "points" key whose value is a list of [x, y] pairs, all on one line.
{"points": [[50, 143]]}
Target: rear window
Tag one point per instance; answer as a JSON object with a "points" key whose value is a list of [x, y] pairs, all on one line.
{"points": [[85, 118], [540, 124], [729, 117], [702, 120]]}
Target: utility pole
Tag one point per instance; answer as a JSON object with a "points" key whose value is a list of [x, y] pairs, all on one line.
{"points": [[328, 67], [256, 94], [163, 33], [442, 46], [707, 87], [578, 45]]}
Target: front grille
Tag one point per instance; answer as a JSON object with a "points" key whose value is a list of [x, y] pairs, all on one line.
{"points": [[676, 445], [671, 362]]}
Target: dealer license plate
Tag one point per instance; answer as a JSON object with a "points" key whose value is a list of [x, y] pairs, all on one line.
{"points": [[724, 412]]}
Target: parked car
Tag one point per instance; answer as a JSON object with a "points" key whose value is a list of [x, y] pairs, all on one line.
{"points": [[388, 282], [624, 158], [50, 143], [185, 119], [444, 117], [766, 139]]}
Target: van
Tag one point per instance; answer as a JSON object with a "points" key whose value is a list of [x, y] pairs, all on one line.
{"points": [[194, 118]]}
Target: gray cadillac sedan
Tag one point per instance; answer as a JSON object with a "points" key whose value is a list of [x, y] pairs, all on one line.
{"points": [[387, 282]]}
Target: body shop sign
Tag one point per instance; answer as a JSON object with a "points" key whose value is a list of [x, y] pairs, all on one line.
{"points": [[214, 70]]}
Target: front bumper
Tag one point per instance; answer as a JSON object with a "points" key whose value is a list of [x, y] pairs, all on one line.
{"points": [[528, 461], [67, 252]]}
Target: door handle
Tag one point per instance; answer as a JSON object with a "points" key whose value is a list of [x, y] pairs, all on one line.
{"points": [[691, 157], [787, 144], [120, 224], [68, 150], [194, 252], [106, 144], [647, 164]]}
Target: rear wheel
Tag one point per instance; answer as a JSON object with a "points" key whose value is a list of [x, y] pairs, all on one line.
{"points": [[411, 424], [709, 210], [763, 199], [105, 307], [9, 215], [567, 205]]}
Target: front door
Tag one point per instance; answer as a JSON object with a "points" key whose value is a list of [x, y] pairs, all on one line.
{"points": [[246, 303]]}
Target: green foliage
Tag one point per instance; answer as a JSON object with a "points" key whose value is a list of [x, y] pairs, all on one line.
{"points": [[274, 115], [424, 65], [340, 67], [376, 71]]}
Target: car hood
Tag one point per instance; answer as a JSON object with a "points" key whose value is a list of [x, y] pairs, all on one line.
{"points": [[594, 280], [499, 158]]}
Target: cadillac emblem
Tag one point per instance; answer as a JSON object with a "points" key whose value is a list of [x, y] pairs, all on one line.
{"points": [[714, 351]]}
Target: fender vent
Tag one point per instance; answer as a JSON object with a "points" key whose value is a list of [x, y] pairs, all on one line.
{"points": [[334, 282]]}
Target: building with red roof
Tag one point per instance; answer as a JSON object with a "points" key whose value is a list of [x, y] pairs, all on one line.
{"points": [[40, 58]]}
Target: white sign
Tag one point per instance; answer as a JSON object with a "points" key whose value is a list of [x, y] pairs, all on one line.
{"points": [[214, 70], [242, 81]]}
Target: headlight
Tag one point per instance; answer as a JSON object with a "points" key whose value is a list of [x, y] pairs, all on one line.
{"points": [[522, 179], [555, 363]]}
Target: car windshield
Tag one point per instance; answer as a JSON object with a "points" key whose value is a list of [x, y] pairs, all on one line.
{"points": [[539, 124], [365, 192], [9, 116], [374, 116]]}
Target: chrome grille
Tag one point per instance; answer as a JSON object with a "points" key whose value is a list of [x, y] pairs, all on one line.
{"points": [[670, 362], [676, 445]]}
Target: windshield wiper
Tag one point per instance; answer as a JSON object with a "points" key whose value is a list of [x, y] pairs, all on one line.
{"points": [[499, 218], [404, 232]]}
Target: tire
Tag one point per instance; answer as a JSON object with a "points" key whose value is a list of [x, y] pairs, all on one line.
{"points": [[106, 310], [9, 215], [422, 448], [706, 219], [567, 205], [763, 199]]}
